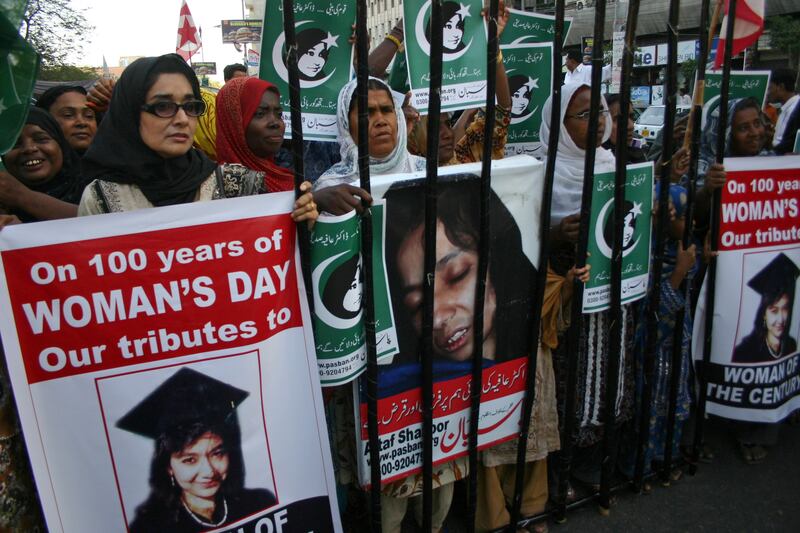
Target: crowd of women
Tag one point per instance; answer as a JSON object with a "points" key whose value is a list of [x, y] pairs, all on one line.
{"points": [[157, 140]]}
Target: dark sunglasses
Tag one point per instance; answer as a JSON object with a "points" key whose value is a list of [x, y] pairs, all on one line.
{"points": [[166, 109]]}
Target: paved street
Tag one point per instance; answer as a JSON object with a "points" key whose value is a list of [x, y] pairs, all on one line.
{"points": [[727, 495]]}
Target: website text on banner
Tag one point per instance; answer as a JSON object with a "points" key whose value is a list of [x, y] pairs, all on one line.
{"points": [[175, 329], [754, 371]]}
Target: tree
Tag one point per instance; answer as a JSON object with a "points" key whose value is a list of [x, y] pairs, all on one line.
{"points": [[57, 31], [784, 34], [67, 73]]}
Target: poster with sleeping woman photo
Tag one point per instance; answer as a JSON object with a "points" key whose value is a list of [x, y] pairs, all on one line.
{"points": [[324, 60], [529, 68], [636, 235], [463, 53], [160, 361], [514, 210], [337, 280], [754, 367]]}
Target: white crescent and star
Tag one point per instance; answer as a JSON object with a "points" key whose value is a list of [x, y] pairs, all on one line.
{"points": [[319, 307], [280, 66], [599, 226], [422, 41]]}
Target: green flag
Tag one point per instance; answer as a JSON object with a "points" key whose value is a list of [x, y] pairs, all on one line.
{"points": [[19, 64], [635, 240], [525, 27], [463, 48], [529, 69], [337, 279], [749, 83], [324, 60]]}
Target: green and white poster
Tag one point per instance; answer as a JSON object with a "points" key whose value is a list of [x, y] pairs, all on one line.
{"points": [[635, 238], [464, 53], [525, 27], [337, 278], [530, 71], [324, 60], [748, 83]]}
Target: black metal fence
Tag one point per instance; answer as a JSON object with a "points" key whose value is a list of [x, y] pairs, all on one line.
{"points": [[575, 341]]}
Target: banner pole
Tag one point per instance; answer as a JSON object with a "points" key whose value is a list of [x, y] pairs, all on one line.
{"points": [[297, 141], [368, 301], [615, 336], [662, 224], [576, 333], [541, 273], [686, 286], [434, 111], [707, 34], [711, 273], [483, 260]]}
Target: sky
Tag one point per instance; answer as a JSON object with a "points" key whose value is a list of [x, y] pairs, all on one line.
{"points": [[150, 27]]}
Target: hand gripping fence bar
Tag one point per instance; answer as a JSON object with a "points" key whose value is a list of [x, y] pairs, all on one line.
{"points": [[615, 337], [434, 109], [711, 273], [541, 274], [575, 334], [297, 139], [368, 300], [483, 263]]}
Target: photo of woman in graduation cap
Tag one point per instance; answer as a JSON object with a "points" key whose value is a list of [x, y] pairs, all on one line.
{"points": [[771, 339], [197, 469]]}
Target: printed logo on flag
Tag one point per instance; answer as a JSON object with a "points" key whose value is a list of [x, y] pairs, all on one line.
{"points": [[324, 60], [636, 232], [529, 69], [463, 53]]}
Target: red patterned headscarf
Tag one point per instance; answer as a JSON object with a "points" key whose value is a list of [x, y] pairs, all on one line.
{"points": [[237, 102]]}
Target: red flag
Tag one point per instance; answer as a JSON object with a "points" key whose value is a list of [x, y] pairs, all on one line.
{"points": [[747, 27], [188, 37]]}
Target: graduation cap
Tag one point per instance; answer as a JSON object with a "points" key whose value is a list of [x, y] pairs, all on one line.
{"points": [[779, 276], [186, 397]]}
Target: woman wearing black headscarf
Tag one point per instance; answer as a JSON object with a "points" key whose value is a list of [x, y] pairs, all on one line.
{"points": [[143, 157], [44, 180]]}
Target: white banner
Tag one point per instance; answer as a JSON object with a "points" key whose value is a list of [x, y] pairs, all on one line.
{"points": [[754, 368], [164, 371]]}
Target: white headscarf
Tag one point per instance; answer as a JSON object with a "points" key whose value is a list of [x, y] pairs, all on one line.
{"points": [[346, 171], [570, 160]]}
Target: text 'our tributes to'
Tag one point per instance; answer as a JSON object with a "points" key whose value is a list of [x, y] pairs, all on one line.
{"points": [[636, 234], [529, 68], [324, 60], [754, 368], [185, 324], [463, 48]]}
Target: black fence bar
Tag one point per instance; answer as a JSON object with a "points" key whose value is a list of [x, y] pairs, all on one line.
{"points": [[661, 227], [711, 272], [483, 264], [368, 302], [615, 335], [541, 273], [575, 333], [695, 119], [297, 140], [434, 110], [666, 176]]}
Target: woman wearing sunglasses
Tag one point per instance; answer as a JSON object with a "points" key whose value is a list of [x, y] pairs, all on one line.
{"points": [[143, 157]]}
